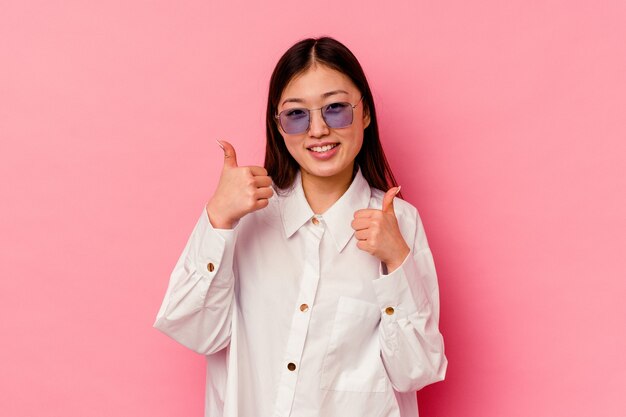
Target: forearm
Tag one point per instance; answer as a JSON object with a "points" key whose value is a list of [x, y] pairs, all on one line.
{"points": [[197, 307], [411, 345]]}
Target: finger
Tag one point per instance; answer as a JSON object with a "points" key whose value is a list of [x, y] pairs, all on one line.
{"points": [[363, 245], [361, 234], [388, 199], [264, 193], [261, 203], [364, 213], [230, 156], [360, 223], [262, 181], [258, 171]]}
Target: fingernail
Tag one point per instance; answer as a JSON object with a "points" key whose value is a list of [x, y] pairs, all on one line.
{"points": [[398, 190], [219, 143]]}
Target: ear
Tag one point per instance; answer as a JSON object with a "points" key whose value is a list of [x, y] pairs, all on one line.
{"points": [[366, 117], [278, 127]]}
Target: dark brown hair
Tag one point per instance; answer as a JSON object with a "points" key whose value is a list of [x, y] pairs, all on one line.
{"points": [[280, 165]]}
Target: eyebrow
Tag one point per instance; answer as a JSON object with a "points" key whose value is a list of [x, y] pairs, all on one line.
{"points": [[325, 95]]}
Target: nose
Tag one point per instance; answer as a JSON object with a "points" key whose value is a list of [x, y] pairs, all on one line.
{"points": [[317, 125]]}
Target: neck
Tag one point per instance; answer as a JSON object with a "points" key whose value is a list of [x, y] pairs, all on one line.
{"points": [[322, 192]]}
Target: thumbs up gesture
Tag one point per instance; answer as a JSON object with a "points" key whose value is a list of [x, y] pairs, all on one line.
{"points": [[378, 233], [240, 190]]}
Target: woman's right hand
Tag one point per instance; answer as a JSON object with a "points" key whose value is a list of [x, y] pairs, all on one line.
{"points": [[241, 190]]}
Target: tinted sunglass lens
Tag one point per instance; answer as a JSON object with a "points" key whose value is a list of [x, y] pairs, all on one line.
{"points": [[294, 120], [337, 115]]}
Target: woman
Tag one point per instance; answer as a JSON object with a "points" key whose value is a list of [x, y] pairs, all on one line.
{"points": [[311, 291]]}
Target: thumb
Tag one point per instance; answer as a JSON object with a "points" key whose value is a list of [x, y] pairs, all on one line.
{"points": [[388, 198], [230, 156]]}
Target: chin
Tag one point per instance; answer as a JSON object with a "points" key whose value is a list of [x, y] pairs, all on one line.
{"points": [[326, 172]]}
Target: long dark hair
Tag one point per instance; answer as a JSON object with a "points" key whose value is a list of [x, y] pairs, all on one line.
{"points": [[280, 165]]}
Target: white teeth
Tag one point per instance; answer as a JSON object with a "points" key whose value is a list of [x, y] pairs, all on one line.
{"points": [[322, 148]]}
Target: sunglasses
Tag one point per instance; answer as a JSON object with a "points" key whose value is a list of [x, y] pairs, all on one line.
{"points": [[335, 115]]}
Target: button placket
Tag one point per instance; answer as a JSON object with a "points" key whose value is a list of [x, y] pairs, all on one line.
{"points": [[300, 322]]}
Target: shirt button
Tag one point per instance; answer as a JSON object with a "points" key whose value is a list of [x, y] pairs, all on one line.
{"points": [[291, 366], [304, 307], [389, 310], [315, 221], [210, 267]]}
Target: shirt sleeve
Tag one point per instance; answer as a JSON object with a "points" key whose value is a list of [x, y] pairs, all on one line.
{"points": [[412, 347], [198, 304]]}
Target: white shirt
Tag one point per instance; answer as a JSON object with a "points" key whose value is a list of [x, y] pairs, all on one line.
{"points": [[296, 321]]}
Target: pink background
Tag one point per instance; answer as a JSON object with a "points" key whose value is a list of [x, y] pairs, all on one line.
{"points": [[505, 125]]}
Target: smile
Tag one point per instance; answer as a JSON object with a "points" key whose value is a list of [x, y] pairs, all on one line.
{"points": [[324, 148]]}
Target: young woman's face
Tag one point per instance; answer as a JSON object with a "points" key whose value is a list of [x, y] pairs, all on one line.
{"points": [[323, 151]]}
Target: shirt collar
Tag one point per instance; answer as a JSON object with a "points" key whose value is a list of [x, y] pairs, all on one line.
{"points": [[295, 210]]}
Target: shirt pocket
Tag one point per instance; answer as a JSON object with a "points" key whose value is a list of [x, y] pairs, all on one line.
{"points": [[352, 361]]}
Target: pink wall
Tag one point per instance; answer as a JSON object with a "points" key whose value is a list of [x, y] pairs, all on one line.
{"points": [[504, 121]]}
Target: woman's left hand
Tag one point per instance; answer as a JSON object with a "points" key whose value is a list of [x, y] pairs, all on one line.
{"points": [[378, 233]]}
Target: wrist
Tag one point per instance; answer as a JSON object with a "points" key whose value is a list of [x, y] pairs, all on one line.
{"points": [[394, 263], [217, 221]]}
